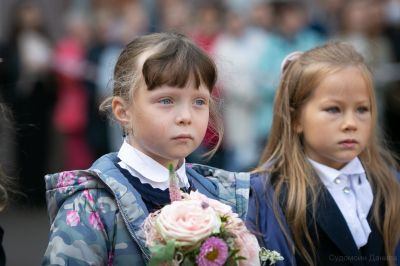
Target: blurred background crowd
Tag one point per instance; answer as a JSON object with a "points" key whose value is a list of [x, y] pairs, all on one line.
{"points": [[56, 60]]}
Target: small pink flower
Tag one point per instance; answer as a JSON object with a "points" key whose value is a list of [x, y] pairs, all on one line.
{"points": [[95, 221], [213, 252], [110, 258], [65, 179], [86, 194], [73, 218]]}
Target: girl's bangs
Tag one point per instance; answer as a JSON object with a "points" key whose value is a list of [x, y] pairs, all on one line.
{"points": [[177, 63]]}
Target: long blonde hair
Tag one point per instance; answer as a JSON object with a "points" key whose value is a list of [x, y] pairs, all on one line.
{"points": [[284, 154]]}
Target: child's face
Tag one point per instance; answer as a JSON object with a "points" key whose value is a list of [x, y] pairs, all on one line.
{"points": [[335, 122], [169, 123]]}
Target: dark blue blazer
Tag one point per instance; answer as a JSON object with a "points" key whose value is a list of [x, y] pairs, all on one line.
{"points": [[335, 246]]}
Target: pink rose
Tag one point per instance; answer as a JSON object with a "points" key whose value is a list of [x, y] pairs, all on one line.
{"points": [[73, 218], [249, 248], [95, 221], [219, 207], [187, 222]]}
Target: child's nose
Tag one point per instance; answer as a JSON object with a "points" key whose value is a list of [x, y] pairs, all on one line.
{"points": [[350, 122], [184, 116]]}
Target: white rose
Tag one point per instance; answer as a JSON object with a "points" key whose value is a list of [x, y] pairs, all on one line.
{"points": [[187, 222]]}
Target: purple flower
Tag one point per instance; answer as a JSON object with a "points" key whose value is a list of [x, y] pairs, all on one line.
{"points": [[213, 252], [204, 205]]}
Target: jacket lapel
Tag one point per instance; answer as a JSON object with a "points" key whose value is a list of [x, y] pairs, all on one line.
{"points": [[330, 219]]}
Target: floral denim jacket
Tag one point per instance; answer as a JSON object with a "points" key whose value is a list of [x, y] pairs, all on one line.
{"points": [[95, 215]]}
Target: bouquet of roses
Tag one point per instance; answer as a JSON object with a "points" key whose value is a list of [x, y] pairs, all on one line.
{"points": [[197, 230]]}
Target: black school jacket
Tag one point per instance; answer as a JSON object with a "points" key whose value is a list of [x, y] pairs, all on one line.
{"points": [[333, 240]]}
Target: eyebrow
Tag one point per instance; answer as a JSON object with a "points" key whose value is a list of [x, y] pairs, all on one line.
{"points": [[340, 101]]}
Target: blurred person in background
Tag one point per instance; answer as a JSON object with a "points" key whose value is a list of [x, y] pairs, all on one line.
{"points": [[236, 52], [174, 15], [71, 109], [26, 85], [262, 14], [392, 94], [205, 32], [207, 26], [96, 130], [362, 25], [392, 18], [127, 22], [326, 17], [291, 33]]}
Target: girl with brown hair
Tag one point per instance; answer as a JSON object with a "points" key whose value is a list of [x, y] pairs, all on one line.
{"points": [[161, 96], [325, 191]]}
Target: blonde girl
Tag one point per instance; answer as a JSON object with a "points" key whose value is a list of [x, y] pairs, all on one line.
{"points": [[162, 89], [325, 191]]}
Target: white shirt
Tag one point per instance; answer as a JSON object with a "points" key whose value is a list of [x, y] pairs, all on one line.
{"points": [[148, 170], [352, 193]]}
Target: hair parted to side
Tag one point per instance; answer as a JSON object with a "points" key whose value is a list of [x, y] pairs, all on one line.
{"points": [[284, 154], [175, 61]]}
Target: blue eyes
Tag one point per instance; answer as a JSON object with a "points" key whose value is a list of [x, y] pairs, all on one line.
{"points": [[362, 110], [166, 101], [335, 110], [199, 102]]}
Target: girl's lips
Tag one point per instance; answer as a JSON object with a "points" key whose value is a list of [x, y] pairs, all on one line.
{"points": [[183, 137], [348, 143]]}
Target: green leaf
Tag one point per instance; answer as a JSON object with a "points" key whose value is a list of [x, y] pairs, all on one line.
{"points": [[187, 262], [171, 170], [162, 253], [228, 262], [156, 248], [240, 258], [158, 254], [234, 253], [170, 250]]}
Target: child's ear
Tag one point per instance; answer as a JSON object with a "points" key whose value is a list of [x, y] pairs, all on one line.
{"points": [[120, 111], [297, 126]]}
